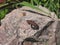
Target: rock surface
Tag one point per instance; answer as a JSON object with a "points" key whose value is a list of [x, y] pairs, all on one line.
{"points": [[15, 28]]}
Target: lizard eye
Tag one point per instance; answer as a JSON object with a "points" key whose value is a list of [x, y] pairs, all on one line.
{"points": [[33, 24], [35, 27]]}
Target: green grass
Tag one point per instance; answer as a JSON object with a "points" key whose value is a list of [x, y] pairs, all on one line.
{"points": [[3, 12]]}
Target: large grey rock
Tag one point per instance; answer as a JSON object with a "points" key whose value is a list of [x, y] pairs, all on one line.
{"points": [[9, 27], [58, 33], [15, 28]]}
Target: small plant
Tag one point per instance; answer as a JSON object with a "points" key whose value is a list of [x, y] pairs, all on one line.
{"points": [[3, 12]]}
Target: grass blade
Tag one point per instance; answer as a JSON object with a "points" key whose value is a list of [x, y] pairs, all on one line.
{"points": [[32, 6]]}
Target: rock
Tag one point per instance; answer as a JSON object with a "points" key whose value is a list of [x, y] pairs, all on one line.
{"points": [[15, 28], [58, 33], [9, 27]]}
